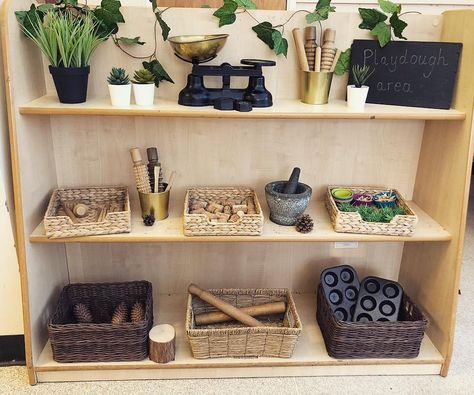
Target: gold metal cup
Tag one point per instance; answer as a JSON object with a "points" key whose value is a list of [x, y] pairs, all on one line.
{"points": [[315, 86], [155, 204]]}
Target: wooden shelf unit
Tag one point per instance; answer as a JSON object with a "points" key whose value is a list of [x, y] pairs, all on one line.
{"points": [[424, 153]]}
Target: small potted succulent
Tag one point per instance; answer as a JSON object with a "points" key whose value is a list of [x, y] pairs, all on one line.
{"points": [[357, 93], [120, 88], [144, 87]]}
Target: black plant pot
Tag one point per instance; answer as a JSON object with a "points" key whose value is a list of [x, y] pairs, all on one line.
{"points": [[71, 83]]}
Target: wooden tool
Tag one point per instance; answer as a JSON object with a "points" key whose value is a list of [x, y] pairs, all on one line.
{"points": [[156, 183], [300, 52], [328, 52], [80, 210], [171, 181], [336, 59], [317, 60], [225, 307], [103, 213], [162, 343], [140, 171], [216, 317], [310, 46], [70, 214]]}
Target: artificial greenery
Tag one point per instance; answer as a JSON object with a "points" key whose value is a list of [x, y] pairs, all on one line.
{"points": [[143, 76], [118, 76], [361, 74], [373, 213]]}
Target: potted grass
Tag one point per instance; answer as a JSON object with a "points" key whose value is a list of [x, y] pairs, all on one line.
{"points": [[357, 93], [119, 87], [144, 87]]}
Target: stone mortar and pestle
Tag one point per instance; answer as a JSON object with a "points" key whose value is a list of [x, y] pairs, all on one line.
{"points": [[287, 200]]}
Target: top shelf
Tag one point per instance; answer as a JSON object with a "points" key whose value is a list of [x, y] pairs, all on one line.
{"points": [[282, 109]]}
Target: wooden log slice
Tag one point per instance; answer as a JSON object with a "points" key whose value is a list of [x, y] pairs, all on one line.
{"points": [[162, 342]]}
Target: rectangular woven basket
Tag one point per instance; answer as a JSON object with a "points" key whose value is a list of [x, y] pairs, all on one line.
{"points": [[101, 341], [57, 224], [353, 340], [200, 225], [277, 339], [400, 225]]}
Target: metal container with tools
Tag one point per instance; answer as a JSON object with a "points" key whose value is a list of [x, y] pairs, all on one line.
{"points": [[315, 86], [155, 204]]}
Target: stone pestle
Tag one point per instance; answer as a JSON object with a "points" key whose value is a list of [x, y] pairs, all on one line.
{"points": [[292, 185]]}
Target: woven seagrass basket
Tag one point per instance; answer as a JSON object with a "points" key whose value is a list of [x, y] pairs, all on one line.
{"points": [[57, 224], [353, 340], [200, 225], [101, 341], [343, 222], [276, 339]]}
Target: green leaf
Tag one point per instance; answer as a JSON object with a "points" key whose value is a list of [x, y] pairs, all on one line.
{"points": [[29, 19], [389, 7], [226, 13], [321, 12], [45, 8], [109, 15], [154, 5], [130, 41], [343, 63], [165, 29], [280, 44], [383, 32], [158, 71], [370, 18], [249, 4], [398, 26], [264, 32]]}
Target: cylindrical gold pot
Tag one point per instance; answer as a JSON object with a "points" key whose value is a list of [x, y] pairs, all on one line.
{"points": [[315, 86], [155, 204]]}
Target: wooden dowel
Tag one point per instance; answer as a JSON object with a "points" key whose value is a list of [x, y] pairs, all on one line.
{"points": [[317, 61], [157, 178], [171, 181], [300, 51], [225, 307], [254, 311], [336, 59], [70, 214]]}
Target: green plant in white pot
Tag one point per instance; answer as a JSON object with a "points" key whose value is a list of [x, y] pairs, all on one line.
{"points": [[357, 93], [144, 87], [120, 88]]}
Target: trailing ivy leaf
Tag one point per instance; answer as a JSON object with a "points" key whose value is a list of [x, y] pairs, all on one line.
{"points": [[343, 63], [389, 7], [398, 26], [29, 19], [321, 12], [249, 4], [226, 13], [370, 18], [130, 41], [154, 5], [45, 8], [158, 71], [109, 15], [165, 29], [264, 32], [280, 44], [382, 31]]}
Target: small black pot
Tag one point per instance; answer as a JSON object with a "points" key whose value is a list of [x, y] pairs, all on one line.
{"points": [[71, 83]]}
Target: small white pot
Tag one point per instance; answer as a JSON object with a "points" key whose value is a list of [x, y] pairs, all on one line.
{"points": [[356, 97], [120, 95], [144, 94]]}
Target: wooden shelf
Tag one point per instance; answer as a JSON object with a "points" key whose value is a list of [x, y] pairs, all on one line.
{"points": [[310, 353], [171, 230], [282, 109]]}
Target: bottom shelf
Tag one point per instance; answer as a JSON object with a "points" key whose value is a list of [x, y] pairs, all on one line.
{"points": [[309, 359]]}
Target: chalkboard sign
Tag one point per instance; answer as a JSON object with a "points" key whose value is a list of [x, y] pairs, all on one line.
{"points": [[409, 73]]}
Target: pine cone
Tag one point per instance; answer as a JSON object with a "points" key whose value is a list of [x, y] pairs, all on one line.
{"points": [[149, 220], [138, 312], [120, 314], [304, 224], [82, 314]]}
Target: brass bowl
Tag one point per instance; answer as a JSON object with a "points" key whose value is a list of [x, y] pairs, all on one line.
{"points": [[198, 49]]}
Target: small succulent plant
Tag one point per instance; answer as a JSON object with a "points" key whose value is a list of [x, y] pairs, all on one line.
{"points": [[143, 76], [361, 74], [118, 76]]}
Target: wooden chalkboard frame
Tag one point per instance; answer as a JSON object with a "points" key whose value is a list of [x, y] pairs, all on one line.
{"points": [[409, 73]]}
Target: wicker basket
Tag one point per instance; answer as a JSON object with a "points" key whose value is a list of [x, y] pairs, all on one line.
{"points": [[199, 224], [351, 340], [57, 224], [400, 225], [277, 339], [101, 341]]}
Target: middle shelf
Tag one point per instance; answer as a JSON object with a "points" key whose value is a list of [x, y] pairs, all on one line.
{"points": [[171, 230]]}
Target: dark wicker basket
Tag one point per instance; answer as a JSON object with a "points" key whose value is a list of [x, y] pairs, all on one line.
{"points": [[352, 340], [101, 341]]}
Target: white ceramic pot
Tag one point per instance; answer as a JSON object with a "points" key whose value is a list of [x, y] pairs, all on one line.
{"points": [[144, 94], [356, 97], [120, 95]]}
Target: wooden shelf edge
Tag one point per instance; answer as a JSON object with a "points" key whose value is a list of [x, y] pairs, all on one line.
{"points": [[283, 109]]}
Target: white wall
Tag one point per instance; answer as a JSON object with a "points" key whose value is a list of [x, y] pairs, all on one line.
{"points": [[11, 322]]}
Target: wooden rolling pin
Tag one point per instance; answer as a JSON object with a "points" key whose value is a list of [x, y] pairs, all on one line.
{"points": [[300, 52], [328, 51], [216, 317], [225, 307]]}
